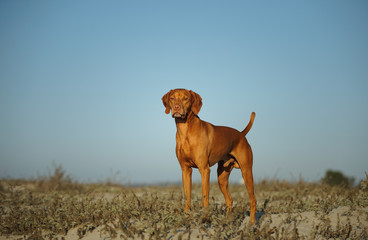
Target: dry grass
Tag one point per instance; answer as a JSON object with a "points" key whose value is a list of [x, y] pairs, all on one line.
{"points": [[55, 207]]}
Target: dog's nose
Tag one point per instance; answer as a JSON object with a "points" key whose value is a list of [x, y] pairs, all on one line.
{"points": [[176, 107]]}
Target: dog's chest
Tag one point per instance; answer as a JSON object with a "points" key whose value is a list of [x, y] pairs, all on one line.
{"points": [[189, 150], [185, 154], [184, 147]]}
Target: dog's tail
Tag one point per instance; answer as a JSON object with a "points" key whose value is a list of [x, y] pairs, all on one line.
{"points": [[249, 126]]}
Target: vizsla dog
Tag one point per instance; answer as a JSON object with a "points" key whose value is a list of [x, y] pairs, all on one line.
{"points": [[201, 145]]}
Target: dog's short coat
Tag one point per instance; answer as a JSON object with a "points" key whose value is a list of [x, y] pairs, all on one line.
{"points": [[200, 144]]}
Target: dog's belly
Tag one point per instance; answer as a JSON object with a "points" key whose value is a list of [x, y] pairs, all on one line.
{"points": [[215, 159]]}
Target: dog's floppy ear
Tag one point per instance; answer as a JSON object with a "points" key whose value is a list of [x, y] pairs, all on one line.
{"points": [[196, 102], [165, 101]]}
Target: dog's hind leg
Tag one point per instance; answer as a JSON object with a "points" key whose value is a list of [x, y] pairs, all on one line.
{"points": [[244, 157], [223, 174]]}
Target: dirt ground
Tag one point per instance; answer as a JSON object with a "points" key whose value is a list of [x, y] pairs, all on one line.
{"points": [[306, 225], [31, 210]]}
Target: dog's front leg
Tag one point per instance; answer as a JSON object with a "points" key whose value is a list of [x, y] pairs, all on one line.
{"points": [[205, 175], [187, 185]]}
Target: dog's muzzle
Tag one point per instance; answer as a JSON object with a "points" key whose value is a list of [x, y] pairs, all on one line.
{"points": [[178, 115]]}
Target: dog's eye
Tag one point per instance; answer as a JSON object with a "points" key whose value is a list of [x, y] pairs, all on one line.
{"points": [[185, 98], [172, 98]]}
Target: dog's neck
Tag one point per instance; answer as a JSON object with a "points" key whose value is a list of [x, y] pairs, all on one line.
{"points": [[182, 124]]}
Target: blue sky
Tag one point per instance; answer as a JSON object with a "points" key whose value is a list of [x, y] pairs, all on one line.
{"points": [[81, 85]]}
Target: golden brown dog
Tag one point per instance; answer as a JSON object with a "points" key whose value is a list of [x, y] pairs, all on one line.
{"points": [[201, 145]]}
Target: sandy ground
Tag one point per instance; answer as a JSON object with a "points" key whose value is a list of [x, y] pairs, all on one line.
{"points": [[305, 222], [305, 225]]}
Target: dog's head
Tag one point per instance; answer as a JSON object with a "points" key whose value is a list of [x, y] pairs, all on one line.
{"points": [[181, 102]]}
